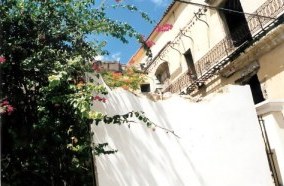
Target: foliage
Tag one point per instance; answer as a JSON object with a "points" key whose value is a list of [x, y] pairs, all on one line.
{"points": [[45, 100], [147, 44], [129, 79]]}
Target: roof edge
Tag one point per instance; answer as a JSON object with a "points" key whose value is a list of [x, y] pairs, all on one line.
{"points": [[169, 8]]}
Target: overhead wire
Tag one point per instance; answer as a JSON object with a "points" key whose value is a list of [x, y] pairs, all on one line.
{"points": [[223, 9]]}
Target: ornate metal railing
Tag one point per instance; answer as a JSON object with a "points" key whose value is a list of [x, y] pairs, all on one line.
{"points": [[179, 84], [211, 61], [219, 51], [270, 8]]}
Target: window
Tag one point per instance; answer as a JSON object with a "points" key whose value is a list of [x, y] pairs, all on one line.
{"points": [[145, 87], [236, 22], [162, 72], [255, 89], [190, 64], [251, 79]]}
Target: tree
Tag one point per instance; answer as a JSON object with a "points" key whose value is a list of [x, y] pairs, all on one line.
{"points": [[45, 101]]}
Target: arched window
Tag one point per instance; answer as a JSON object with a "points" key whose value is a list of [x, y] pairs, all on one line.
{"points": [[162, 73]]}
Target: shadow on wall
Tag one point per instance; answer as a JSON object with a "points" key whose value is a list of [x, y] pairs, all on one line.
{"points": [[143, 154], [209, 152]]}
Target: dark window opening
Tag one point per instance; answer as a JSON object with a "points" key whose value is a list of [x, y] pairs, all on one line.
{"points": [[236, 22], [254, 84], [159, 77], [190, 64], [145, 87], [162, 72]]}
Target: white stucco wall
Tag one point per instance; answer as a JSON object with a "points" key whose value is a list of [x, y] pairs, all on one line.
{"points": [[272, 113], [274, 124], [220, 142]]}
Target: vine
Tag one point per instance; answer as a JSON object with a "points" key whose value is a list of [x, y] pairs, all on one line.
{"points": [[46, 101], [129, 79]]}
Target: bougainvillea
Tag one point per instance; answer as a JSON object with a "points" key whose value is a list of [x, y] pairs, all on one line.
{"points": [[99, 98], [2, 59], [6, 108], [147, 43], [130, 79], [164, 28], [150, 43], [46, 98]]}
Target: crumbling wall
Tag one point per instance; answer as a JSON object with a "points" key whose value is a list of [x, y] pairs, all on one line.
{"points": [[219, 142]]}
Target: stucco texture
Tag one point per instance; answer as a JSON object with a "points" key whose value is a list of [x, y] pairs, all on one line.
{"points": [[219, 142]]}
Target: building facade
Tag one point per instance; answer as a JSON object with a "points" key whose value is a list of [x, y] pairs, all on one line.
{"points": [[113, 66], [214, 43]]}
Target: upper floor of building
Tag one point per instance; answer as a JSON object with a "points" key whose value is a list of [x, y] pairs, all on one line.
{"points": [[205, 37]]}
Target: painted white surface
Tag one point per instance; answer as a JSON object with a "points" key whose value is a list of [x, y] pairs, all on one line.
{"points": [[220, 142], [274, 124], [272, 114]]}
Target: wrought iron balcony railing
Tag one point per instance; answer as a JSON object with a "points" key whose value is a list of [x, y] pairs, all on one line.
{"points": [[221, 53]]}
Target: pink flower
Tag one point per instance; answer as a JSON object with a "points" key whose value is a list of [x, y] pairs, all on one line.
{"points": [[9, 109], [2, 59], [149, 43], [104, 100], [164, 28], [98, 98], [6, 108], [5, 102]]}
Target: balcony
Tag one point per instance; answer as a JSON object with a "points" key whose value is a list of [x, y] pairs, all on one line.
{"points": [[225, 51]]}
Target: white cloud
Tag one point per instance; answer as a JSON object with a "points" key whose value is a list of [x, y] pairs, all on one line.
{"points": [[116, 56], [100, 58], [160, 2]]}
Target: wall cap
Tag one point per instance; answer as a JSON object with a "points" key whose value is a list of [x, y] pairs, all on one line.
{"points": [[268, 106]]}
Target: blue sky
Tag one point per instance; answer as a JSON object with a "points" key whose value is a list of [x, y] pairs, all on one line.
{"points": [[123, 52]]}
